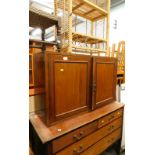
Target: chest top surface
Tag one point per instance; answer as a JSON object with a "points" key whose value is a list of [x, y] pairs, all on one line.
{"points": [[47, 134]]}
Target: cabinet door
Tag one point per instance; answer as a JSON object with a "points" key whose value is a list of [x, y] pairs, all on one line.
{"points": [[104, 81], [68, 85]]}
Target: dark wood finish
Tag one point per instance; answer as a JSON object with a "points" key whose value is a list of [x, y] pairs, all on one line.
{"points": [[36, 68], [104, 143], [38, 18], [104, 81], [41, 42], [86, 142], [67, 85], [39, 69]]}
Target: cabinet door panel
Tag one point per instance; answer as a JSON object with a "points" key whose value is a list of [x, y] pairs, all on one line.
{"points": [[104, 78], [67, 85], [70, 86]]}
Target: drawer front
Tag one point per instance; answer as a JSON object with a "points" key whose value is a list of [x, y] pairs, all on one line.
{"points": [[109, 118], [91, 139], [103, 144], [74, 136]]}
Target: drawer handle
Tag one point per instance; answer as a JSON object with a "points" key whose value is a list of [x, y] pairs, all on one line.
{"points": [[81, 133], [81, 147], [118, 113], [76, 137], [102, 121], [111, 127], [111, 117], [76, 152]]}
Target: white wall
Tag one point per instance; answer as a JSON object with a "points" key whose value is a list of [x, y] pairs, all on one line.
{"points": [[116, 35]]}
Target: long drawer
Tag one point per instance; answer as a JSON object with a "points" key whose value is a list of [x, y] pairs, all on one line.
{"points": [[103, 144], [91, 139], [74, 136], [109, 118]]}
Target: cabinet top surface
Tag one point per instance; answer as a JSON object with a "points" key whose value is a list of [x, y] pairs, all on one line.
{"points": [[46, 133]]}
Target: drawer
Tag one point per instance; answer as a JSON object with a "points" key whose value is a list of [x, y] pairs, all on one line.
{"points": [[109, 118], [73, 137], [91, 139], [103, 144]]}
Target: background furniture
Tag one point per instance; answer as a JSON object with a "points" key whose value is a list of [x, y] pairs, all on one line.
{"points": [[92, 11]]}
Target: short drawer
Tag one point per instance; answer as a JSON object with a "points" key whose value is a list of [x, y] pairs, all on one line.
{"points": [[103, 144], [109, 118], [91, 139], [73, 137]]}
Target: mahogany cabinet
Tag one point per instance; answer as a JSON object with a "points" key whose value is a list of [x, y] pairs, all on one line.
{"points": [[77, 83], [67, 83]]}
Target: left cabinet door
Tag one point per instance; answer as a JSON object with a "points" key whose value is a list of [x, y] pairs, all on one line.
{"points": [[67, 85]]}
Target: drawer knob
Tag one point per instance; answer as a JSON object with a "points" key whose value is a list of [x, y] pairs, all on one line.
{"points": [[102, 121], [111, 117], [111, 127], [118, 113], [81, 146], [76, 137], [75, 151], [81, 133]]}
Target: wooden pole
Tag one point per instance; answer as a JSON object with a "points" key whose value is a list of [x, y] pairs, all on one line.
{"points": [[113, 50], [107, 24], [55, 7], [70, 26]]}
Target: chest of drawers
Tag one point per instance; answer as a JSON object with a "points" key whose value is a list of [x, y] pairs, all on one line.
{"points": [[89, 134]]}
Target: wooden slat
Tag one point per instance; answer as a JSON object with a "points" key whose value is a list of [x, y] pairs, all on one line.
{"points": [[88, 7], [89, 12], [88, 48], [113, 50], [89, 39], [77, 6], [94, 6], [82, 15]]}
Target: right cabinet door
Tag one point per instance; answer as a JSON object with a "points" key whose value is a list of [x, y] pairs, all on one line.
{"points": [[104, 81]]}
